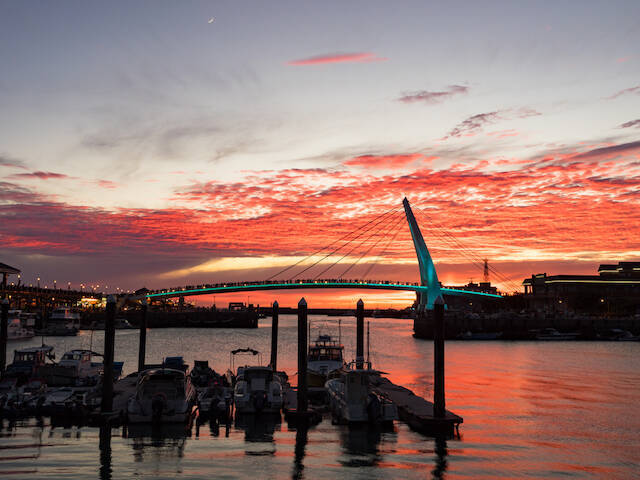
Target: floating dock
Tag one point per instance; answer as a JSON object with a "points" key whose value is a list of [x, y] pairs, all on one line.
{"points": [[415, 411]]}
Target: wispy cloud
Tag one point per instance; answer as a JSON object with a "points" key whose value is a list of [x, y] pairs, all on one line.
{"points": [[337, 58], [475, 123], [626, 91], [631, 123], [41, 175], [433, 97]]}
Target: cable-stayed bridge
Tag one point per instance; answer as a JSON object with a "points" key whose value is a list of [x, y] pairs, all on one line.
{"points": [[359, 240]]}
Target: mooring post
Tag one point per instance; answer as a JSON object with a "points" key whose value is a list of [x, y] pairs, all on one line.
{"points": [[109, 343], [142, 347], [274, 335], [438, 358], [4, 322], [360, 334], [302, 357]]}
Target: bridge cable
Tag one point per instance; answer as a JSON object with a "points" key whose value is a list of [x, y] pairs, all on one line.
{"points": [[383, 235], [375, 232], [470, 254], [391, 239], [341, 246], [327, 246]]}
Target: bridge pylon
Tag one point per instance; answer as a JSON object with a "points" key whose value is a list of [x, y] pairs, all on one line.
{"points": [[428, 275]]}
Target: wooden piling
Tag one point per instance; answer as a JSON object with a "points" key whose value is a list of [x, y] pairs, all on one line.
{"points": [[4, 322], [109, 344], [438, 358], [303, 402], [360, 334], [274, 335], [142, 347]]}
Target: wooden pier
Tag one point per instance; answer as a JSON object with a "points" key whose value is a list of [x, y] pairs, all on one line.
{"points": [[415, 411]]}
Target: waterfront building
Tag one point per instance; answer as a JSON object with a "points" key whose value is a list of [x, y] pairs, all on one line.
{"points": [[615, 290]]}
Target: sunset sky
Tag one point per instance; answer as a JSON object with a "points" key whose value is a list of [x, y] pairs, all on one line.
{"points": [[166, 143]]}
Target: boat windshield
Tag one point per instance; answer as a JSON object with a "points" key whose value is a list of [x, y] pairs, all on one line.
{"points": [[24, 357], [325, 353]]}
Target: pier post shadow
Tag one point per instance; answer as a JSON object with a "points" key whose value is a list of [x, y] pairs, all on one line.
{"points": [[105, 452], [441, 452], [302, 435]]}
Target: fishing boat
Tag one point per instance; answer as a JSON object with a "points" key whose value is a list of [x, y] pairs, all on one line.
{"points": [[352, 400], [257, 389], [324, 360], [162, 395], [28, 361]]}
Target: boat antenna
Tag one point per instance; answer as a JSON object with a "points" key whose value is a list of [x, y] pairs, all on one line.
{"points": [[340, 331]]}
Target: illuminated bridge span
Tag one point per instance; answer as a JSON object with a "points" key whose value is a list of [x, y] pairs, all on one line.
{"points": [[427, 291], [304, 284]]}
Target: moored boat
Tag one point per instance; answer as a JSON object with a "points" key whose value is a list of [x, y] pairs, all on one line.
{"points": [[256, 389], [162, 395], [553, 334], [352, 399]]}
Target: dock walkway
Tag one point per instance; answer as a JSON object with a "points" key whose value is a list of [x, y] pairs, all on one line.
{"points": [[414, 410]]}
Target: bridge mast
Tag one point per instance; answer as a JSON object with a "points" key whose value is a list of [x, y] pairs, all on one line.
{"points": [[428, 275]]}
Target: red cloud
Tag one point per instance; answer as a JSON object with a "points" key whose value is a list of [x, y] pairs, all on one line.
{"points": [[338, 58], [384, 161], [566, 204]]}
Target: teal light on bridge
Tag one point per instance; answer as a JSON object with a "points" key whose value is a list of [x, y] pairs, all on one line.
{"points": [[320, 284]]}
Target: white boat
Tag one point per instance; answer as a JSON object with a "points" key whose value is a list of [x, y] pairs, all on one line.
{"points": [[162, 395], [325, 359], [352, 400], [553, 334], [76, 367], [15, 330], [62, 322], [256, 388], [469, 335]]}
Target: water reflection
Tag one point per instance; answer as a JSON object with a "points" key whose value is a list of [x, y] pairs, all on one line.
{"points": [[441, 457], [299, 452], [258, 432], [158, 440], [361, 443], [105, 453]]}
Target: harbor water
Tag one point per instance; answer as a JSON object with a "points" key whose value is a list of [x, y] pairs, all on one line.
{"points": [[530, 409]]}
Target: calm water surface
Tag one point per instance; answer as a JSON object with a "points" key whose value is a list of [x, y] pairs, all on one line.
{"points": [[531, 410]]}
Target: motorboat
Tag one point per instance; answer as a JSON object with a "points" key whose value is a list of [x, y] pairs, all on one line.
{"points": [[62, 322], [16, 331], [620, 335], [257, 389], [325, 359], [553, 334], [214, 393], [76, 367], [162, 395], [352, 400]]}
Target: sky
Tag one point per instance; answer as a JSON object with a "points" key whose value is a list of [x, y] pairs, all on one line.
{"points": [[168, 143]]}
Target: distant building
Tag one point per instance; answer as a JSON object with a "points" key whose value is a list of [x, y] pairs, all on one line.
{"points": [[615, 290]]}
